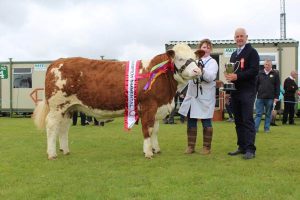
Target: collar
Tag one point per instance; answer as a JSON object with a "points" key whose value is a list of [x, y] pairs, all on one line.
{"points": [[267, 72], [291, 78], [241, 47], [206, 58]]}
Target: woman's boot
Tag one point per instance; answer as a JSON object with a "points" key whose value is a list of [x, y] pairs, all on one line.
{"points": [[192, 137], [207, 138]]}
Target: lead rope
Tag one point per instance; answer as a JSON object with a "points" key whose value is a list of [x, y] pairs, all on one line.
{"points": [[197, 81]]}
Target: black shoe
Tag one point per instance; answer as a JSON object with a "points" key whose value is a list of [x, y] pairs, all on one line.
{"points": [[273, 124], [249, 155], [237, 152], [292, 123]]}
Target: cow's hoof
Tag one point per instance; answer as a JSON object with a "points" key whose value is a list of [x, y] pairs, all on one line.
{"points": [[149, 155], [52, 157], [67, 153], [61, 150], [156, 151]]}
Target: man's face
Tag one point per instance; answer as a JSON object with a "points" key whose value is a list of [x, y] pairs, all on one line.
{"points": [[240, 37], [294, 74], [268, 66]]}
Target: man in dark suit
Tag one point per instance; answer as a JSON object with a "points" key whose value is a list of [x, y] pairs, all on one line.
{"points": [[246, 61], [290, 88]]}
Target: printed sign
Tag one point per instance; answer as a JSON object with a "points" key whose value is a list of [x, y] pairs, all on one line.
{"points": [[40, 67], [229, 51], [3, 72]]}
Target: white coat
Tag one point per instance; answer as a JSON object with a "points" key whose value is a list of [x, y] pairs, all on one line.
{"points": [[203, 106]]}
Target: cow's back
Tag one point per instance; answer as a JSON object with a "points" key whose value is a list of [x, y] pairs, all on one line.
{"points": [[95, 83]]}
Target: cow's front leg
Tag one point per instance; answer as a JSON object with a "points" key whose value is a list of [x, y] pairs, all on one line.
{"points": [[148, 118], [154, 139], [147, 148]]}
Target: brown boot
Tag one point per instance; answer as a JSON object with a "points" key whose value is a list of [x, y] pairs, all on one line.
{"points": [[207, 138], [192, 137]]}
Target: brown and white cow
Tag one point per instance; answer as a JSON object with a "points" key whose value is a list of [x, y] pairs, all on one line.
{"points": [[96, 87]]}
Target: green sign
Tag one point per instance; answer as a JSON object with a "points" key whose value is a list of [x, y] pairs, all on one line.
{"points": [[3, 72]]}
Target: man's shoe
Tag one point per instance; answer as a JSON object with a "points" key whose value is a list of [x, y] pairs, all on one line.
{"points": [[230, 120], [249, 155], [237, 152]]}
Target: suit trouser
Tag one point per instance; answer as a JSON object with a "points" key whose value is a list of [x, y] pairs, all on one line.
{"points": [[242, 105], [289, 111]]}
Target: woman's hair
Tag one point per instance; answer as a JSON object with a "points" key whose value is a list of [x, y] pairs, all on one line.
{"points": [[207, 41]]}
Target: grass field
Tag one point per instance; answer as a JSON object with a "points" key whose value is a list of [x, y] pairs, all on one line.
{"points": [[108, 163]]}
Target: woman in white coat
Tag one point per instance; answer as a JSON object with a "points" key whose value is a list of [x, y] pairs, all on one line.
{"points": [[199, 102]]}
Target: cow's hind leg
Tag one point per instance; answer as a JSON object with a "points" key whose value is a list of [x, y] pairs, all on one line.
{"points": [[52, 127], [154, 138], [63, 135]]}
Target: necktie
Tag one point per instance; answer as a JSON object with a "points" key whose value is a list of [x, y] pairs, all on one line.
{"points": [[239, 51]]}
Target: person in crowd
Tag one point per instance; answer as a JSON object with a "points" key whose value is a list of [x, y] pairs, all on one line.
{"points": [[246, 61], [83, 121], [101, 122], [277, 106], [268, 89], [290, 88], [169, 119], [200, 100], [228, 106]]}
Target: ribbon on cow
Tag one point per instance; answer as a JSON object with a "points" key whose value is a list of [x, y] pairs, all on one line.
{"points": [[157, 70], [131, 90]]}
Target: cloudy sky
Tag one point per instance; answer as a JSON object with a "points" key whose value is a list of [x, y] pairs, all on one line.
{"points": [[131, 29]]}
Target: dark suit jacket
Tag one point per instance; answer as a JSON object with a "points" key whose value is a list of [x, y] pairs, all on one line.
{"points": [[246, 77], [290, 88]]}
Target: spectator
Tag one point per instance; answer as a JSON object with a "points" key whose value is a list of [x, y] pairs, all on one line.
{"points": [[247, 59], [178, 97], [200, 100], [268, 89], [82, 118], [277, 107], [228, 106], [290, 88]]}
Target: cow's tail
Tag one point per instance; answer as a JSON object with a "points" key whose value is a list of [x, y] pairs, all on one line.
{"points": [[39, 115]]}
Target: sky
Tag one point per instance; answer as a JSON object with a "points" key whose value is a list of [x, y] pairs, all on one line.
{"points": [[131, 29]]}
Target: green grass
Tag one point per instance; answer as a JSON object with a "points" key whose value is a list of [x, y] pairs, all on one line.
{"points": [[108, 163]]}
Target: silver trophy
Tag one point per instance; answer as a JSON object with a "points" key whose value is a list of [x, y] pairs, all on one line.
{"points": [[229, 69]]}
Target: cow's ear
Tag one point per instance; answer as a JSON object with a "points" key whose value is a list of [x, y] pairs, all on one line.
{"points": [[171, 53], [199, 53]]}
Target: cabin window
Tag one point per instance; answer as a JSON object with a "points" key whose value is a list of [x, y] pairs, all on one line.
{"points": [[22, 77]]}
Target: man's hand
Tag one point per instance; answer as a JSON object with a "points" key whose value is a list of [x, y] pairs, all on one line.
{"points": [[230, 77]]}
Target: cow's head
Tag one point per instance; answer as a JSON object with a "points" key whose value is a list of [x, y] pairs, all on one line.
{"points": [[184, 59]]}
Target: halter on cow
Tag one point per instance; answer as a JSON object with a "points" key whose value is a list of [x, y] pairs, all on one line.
{"points": [[96, 87]]}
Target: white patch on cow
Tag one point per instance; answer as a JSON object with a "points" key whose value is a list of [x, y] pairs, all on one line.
{"points": [[179, 79], [164, 110], [154, 138], [59, 82], [147, 148]]}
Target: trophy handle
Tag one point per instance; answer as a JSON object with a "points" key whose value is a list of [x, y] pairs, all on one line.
{"points": [[237, 66]]}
